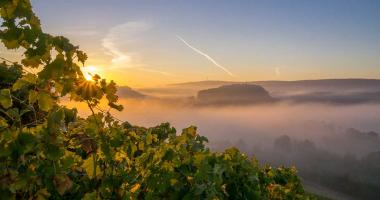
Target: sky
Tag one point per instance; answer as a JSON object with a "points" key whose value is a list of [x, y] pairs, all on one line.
{"points": [[149, 43]]}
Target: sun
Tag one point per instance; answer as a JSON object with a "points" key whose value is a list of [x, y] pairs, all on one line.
{"points": [[89, 72]]}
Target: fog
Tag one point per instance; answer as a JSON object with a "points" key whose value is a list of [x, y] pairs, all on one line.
{"points": [[319, 139], [259, 125]]}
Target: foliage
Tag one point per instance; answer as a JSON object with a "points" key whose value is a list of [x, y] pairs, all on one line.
{"points": [[48, 152]]}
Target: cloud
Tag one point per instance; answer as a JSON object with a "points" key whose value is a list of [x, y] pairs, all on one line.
{"points": [[120, 36], [118, 43], [206, 56], [277, 71], [155, 71]]}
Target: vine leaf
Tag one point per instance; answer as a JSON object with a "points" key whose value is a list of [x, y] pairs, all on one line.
{"points": [[33, 62], [24, 81], [90, 196], [42, 194], [33, 96], [53, 152], [45, 102], [89, 167], [3, 123], [5, 98]]}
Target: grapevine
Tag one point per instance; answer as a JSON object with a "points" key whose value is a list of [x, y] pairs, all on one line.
{"points": [[47, 151]]}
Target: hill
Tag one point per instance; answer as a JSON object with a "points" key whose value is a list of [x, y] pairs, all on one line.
{"points": [[234, 94], [127, 92], [299, 85]]}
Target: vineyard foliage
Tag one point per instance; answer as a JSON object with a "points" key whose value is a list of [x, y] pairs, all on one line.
{"points": [[47, 151]]}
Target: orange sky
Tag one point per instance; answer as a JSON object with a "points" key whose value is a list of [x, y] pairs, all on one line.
{"points": [[154, 43]]}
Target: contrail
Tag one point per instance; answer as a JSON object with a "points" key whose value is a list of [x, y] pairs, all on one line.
{"points": [[207, 56]]}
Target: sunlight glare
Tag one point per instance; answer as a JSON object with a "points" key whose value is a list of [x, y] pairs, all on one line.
{"points": [[89, 72]]}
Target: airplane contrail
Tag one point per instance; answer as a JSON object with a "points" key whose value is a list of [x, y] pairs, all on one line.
{"points": [[207, 56]]}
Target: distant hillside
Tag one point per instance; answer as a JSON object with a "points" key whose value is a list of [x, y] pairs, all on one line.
{"points": [[234, 94], [323, 85], [277, 88], [331, 91], [335, 98], [127, 92], [282, 88]]}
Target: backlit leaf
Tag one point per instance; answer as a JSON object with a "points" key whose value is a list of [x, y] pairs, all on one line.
{"points": [[5, 98], [33, 96], [45, 102], [28, 79], [42, 194], [88, 166]]}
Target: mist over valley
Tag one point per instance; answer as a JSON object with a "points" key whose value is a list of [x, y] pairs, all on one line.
{"points": [[328, 129]]}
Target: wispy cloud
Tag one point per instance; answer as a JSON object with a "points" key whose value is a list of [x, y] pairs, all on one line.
{"points": [[118, 42], [155, 71], [277, 71], [206, 56], [120, 36]]}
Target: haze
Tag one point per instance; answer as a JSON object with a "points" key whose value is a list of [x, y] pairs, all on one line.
{"points": [[318, 126], [247, 58]]}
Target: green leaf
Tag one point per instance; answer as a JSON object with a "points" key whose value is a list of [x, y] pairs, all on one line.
{"points": [[45, 102], [33, 96], [34, 61], [149, 138], [192, 130], [3, 122], [19, 184], [116, 107], [26, 141], [55, 120], [88, 166], [54, 152], [19, 84], [54, 70], [11, 44], [141, 146], [67, 162], [28, 79], [5, 98], [14, 113], [4, 151], [90, 196], [42, 194], [82, 57]]}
